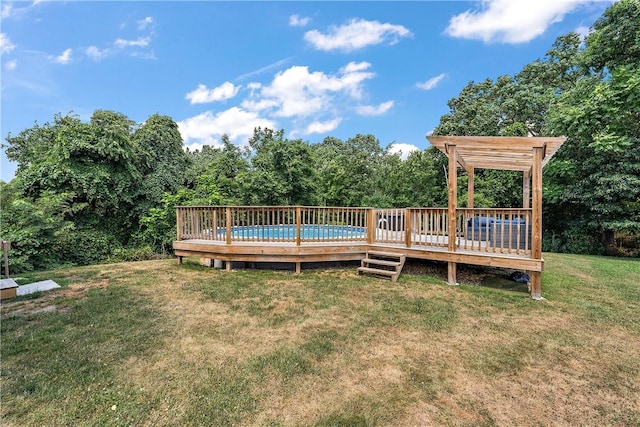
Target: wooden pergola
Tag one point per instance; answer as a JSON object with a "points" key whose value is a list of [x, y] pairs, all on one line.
{"points": [[525, 154]]}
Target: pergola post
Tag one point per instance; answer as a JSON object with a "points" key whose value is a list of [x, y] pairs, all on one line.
{"points": [[536, 220], [453, 203], [526, 189], [470, 186]]}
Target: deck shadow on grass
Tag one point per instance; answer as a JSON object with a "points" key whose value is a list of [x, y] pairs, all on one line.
{"points": [[503, 283]]}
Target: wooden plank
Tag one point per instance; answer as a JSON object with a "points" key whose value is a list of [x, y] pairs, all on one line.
{"points": [[451, 273], [229, 225], [470, 186], [503, 153], [381, 262], [536, 219], [389, 273], [453, 195], [179, 223], [535, 284], [298, 225], [506, 142], [318, 253], [371, 225], [407, 227], [526, 189]]}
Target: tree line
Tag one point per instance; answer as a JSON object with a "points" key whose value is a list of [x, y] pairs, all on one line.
{"points": [[107, 189]]}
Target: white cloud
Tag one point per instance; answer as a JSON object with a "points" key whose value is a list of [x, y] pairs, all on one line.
{"points": [[140, 42], [202, 95], [144, 23], [296, 92], [322, 127], [144, 55], [298, 21], [207, 128], [9, 11], [197, 146], [264, 69], [509, 21], [96, 53], [583, 32], [5, 44], [403, 149], [371, 110], [63, 58], [356, 34], [11, 65], [432, 82], [6, 11]]}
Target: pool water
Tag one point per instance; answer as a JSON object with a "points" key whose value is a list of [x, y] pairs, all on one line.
{"points": [[288, 232]]}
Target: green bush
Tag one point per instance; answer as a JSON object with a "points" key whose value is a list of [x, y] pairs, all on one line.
{"points": [[573, 241], [87, 246]]}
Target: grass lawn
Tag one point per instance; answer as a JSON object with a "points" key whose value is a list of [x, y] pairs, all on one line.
{"points": [[161, 344]]}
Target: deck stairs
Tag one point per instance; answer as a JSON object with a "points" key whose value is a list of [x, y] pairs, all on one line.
{"points": [[382, 264]]}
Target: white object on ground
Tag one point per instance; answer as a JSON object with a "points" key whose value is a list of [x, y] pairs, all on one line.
{"points": [[45, 285]]}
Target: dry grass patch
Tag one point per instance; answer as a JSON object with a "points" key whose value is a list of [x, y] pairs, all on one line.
{"points": [[171, 344]]}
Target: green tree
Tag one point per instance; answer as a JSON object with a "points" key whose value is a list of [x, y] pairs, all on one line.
{"points": [[220, 172], [93, 162], [348, 171], [33, 227], [595, 179], [281, 171], [511, 106], [160, 160]]}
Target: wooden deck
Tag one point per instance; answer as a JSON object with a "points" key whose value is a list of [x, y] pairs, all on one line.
{"points": [[500, 237], [322, 234]]}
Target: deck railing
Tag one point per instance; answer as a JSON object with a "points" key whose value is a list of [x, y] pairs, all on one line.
{"points": [[494, 230], [299, 224], [484, 230]]}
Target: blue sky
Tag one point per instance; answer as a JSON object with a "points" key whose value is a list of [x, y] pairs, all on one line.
{"points": [[314, 69]]}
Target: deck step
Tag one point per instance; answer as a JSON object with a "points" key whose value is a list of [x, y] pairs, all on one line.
{"points": [[382, 264], [376, 271]]}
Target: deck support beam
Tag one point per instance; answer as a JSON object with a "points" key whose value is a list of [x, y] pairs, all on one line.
{"points": [[536, 220]]}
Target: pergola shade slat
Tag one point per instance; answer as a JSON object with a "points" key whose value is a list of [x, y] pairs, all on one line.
{"points": [[497, 152]]}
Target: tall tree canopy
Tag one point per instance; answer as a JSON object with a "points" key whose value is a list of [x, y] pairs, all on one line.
{"points": [[281, 171], [92, 162], [596, 176]]}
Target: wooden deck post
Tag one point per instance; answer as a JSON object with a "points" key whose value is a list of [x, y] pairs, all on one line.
{"points": [[470, 187], [536, 220], [179, 224], [526, 189], [453, 203], [6, 246], [407, 227], [298, 226], [371, 226], [228, 225]]}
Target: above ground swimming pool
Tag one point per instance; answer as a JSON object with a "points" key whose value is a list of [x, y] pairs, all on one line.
{"points": [[288, 232]]}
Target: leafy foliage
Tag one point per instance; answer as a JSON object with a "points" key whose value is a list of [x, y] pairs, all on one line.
{"points": [[596, 177], [34, 227]]}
